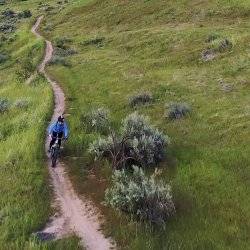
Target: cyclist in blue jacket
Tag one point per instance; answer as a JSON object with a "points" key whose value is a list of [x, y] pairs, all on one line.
{"points": [[58, 129]]}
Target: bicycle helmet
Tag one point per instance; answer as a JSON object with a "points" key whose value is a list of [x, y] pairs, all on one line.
{"points": [[60, 118]]}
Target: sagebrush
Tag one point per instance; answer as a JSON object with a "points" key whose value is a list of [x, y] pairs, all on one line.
{"points": [[141, 196], [140, 99], [59, 60], [4, 105], [97, 120], [138, 142], [177, 110]]}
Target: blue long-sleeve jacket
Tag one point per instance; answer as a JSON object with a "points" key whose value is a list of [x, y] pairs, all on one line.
{"points": [[56, 127]]}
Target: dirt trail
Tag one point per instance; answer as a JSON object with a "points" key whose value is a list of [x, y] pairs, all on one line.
{"points": [[77, 215]]}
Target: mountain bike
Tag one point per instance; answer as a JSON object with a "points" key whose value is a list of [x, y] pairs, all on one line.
{"points": [[55, 152]]}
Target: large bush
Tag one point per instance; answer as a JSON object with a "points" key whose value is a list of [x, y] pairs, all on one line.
{"points": [[147, 144], [138, 143], [141, 196]]}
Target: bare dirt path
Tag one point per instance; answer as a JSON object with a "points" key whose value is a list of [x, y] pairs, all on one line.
{"points": [[76, 215]]}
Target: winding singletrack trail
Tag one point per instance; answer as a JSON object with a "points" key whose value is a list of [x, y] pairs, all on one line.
{"points": [[77, 216]]}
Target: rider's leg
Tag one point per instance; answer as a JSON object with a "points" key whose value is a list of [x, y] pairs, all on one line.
{"points": [[60, 135], [54, 135], [52, 142]]}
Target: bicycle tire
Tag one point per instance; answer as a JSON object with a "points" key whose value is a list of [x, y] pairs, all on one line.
{"points": [[54, 157]]}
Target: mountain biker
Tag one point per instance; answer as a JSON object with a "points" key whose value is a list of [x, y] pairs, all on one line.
{"points": [[58, 129]]}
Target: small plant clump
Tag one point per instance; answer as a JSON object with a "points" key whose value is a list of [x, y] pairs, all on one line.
{"points": [[140, 99], [4, 105], [97, 120], [7, 27], [212, 37], [59, 60], [62, 42], [177, 110], [25, 14], [64, 52], [141, 196], [216, 45], [3, 58], [138, 143], [21, 103], [224, 45], [98, 42], [8, 21], [8, 13]]}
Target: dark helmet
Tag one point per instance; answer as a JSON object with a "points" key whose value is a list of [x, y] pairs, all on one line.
{"points": [[60, 118]]}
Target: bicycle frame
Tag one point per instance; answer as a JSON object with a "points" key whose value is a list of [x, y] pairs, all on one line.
{"points": [[55, 150]]}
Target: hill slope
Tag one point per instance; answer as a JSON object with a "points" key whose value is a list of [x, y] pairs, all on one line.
{"points": [[183, 51]]}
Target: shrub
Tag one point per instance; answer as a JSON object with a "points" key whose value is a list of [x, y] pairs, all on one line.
{"points": [[25, 14], [208, 55], [217, 45], [12, 38], [3, 38], [48, 8], [98, 41], [147, 143], [8, 13], [21, 104], [141, 196], [64, 52], [25, 68], [2, 2], [97, 120], [139, 143], [59, 61], [61, 42], [141, 98], [212, 37], [102, 147], [7, 27], [3, 58], [48, 27], [4, 105], [177, 110], [224, 45]]}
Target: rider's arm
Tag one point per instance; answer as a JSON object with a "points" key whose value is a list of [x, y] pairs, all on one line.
{"points": [[51, 127], [66, 130]]}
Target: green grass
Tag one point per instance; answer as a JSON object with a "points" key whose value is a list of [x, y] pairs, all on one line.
{"points": [[24, 181], [156, 46]]}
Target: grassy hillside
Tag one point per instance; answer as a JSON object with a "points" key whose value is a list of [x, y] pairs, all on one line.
{"points": [[25, 112], [128, 46]]}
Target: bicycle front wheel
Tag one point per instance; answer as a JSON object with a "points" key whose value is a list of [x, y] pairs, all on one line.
{"points": [[54, 155]]}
